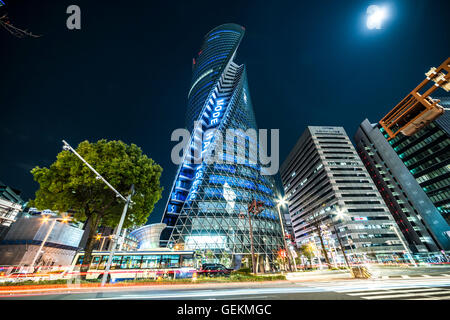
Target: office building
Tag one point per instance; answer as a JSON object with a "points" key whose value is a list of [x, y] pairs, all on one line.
{"points": [[326, 184], [11, 205], [426, 154], [412, 174]]}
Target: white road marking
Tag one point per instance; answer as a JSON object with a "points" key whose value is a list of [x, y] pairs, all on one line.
{"points": [[405, 277], [432, 298], [405, 295], [392, 291], [255, 291]]}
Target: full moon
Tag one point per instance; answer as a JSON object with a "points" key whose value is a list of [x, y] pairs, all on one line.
{"points": [[375, 16]]}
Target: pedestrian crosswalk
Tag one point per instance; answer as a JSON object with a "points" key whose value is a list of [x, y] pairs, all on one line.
{"points": [[410, 276], [417, 293]]}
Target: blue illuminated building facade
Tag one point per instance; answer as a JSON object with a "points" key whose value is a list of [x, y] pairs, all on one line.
{"points": [[207, 206]]}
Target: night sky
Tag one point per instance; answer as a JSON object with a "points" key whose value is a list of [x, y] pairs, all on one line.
{"points": [[126, 74]]}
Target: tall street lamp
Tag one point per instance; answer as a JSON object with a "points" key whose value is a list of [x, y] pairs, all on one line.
{"points": [[127, 200], [45, 219], [281, 202]]}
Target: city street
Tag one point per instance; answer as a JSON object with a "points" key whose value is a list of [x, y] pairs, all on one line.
{"points": [[275, 159], [432, 286]]}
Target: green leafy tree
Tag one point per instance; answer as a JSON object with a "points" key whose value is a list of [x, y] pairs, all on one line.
{"points": [[308, 251], [70, 185]]}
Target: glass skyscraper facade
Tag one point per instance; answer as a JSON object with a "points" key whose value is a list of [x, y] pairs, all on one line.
{"points": [[207, 205]]}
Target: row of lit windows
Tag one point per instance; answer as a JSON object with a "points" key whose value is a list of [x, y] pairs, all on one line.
{"points": [[434, 174], [435, 159], [379, 235], [437, 185], [441, 196], [422, 144]]}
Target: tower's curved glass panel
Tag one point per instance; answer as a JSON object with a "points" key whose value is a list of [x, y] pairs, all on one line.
{"points": [[216, 51]]}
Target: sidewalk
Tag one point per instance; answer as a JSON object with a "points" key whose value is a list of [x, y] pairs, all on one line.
{"points": [[324, 275]]}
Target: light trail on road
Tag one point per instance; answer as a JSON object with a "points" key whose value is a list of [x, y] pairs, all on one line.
{"points": [[347, 289]]}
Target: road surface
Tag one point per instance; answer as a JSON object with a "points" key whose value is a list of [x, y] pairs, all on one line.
{"points": [[434, 287]]}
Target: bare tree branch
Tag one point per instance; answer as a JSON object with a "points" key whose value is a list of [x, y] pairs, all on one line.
{"points": [[19, 33]]}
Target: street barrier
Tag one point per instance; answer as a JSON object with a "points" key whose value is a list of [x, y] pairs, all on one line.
{"points": [[360, 272]]}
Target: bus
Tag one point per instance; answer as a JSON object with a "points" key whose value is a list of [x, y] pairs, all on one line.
{"points": [[135, 265]]}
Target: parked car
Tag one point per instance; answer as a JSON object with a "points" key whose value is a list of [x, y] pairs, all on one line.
{"points": [[214, 270]]}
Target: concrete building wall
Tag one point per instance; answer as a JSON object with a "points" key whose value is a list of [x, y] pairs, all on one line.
{"points": [[323, 175]]}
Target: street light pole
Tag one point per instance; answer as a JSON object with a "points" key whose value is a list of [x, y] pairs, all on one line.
{"points": [[117, 235], [69, 148]]}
